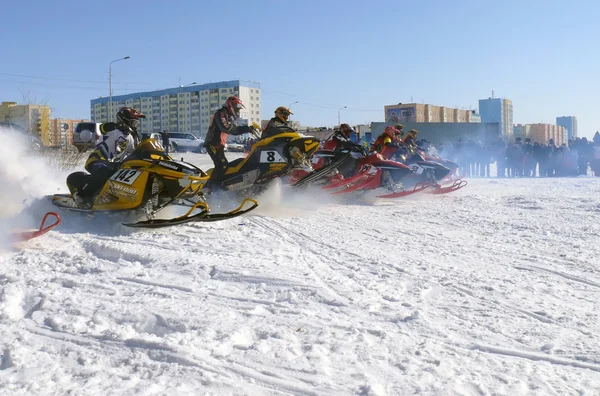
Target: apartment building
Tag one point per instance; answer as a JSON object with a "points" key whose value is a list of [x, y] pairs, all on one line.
{"points": [[182, 109], [544, 132], [418, 112], [34, 118], [500, 111], [61, 131], [570, 124]]}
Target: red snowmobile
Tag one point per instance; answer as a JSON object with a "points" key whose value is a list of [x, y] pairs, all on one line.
{"points": [[352, 169]]}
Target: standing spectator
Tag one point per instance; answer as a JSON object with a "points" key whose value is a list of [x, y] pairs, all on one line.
{"points": [[499, 148], [530, 161], [553, 154], [165, 140]]}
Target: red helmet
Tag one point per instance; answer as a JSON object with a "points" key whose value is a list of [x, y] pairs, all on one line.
{"points": [[233, 104], [346, 130], [392, 132]]}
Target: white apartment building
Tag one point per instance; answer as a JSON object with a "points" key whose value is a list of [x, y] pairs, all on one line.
{"points": [[181, 109]]}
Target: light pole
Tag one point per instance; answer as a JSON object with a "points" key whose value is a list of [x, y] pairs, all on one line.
{"points": [[187, 85], [109, 110], [292, 104], [341, 108]]}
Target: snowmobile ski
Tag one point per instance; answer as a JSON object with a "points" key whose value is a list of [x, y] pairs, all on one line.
{"points": [[202, 216], [457, 185], [417, 188], [27, 235]]}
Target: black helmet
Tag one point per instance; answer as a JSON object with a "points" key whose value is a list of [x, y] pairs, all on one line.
{"points": [[129, 117]]}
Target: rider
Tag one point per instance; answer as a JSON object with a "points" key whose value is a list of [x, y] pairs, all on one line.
{"points": [[411, 138], [118, 141], [278, 124], [221, 125], [389, 138], [340, 139]]}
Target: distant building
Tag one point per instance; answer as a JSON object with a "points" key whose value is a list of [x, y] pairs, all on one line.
{"points": [[182, 109], [418, 112], [522, 131], [500, 111], [33, 118], [570, 124], [544, 132], [61, 132]]}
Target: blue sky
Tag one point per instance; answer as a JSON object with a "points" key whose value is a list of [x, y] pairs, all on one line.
{"points": [[543, 55]]}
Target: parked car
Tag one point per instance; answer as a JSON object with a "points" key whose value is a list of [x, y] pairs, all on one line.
{"points": [[34, 142], [86, 136], [158, 137], [235, 147], [184, 141]]}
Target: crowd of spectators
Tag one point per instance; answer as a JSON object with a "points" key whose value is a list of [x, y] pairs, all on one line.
{"points": [[525, 158]]}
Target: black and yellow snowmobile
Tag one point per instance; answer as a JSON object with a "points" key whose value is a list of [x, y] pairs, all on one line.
{"points": [[148, 181], [269, 158]]}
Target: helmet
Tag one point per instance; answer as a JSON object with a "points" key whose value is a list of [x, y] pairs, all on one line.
{"points": [[346, 130], [391, 132], [399, 128], [413, 133], [283, 113], [129, 117], [233, 105]]}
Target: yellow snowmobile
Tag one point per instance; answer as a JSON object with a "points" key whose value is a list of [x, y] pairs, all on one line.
{"points": [[270, 158], [149, 180]]}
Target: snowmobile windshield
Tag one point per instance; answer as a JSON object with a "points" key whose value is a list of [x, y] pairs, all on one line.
{"points": [[148, 149]]}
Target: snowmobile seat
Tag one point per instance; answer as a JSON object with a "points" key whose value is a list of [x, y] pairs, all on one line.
{"points": [[235, 162]]}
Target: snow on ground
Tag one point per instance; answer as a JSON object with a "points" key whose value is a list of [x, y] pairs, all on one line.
{"points": [[490, 290]]}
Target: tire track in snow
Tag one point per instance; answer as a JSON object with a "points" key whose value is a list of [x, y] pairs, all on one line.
{"points": [[558, 273], [318, 253]]}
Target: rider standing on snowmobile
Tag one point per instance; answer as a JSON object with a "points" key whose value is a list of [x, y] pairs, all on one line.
{"points": [[118, 141], [340, 139], [221, 125], [278, 124]]}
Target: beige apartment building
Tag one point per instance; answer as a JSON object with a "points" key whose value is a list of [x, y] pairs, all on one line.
{"points": [[419, 112], [34, 118], [542, 133], [61, 132]]}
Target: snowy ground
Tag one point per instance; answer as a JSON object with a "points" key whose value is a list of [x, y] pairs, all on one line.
{"points": [[490, 290]]}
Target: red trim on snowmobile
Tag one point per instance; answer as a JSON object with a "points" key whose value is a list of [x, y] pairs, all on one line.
{"points": [[457, 185], [349, 180], [372, 181], [27, 235]]}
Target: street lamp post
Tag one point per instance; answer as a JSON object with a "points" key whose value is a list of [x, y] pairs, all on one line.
{"points": [[341, 108], [292, 104], [110, 86], [187, 85]]}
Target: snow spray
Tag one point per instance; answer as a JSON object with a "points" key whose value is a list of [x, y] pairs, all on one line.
{"points": [[25, 177]]}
